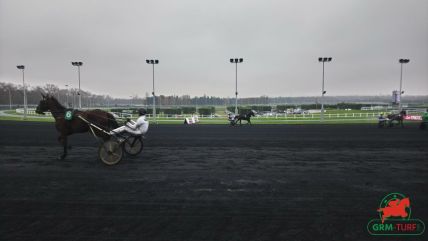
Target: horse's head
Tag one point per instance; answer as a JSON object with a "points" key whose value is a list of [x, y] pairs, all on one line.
{"points": [[43, 105], [405, 202], [403, 113], [252, 113]]}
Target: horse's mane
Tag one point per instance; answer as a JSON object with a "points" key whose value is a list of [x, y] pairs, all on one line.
{"points": [[55, 102]]}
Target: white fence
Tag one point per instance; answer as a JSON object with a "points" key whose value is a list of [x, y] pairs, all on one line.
{"points": [[372, 115], [30, 112], [278, 116]]}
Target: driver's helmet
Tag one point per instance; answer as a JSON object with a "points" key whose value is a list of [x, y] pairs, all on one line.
{"points": [[142, 111]]}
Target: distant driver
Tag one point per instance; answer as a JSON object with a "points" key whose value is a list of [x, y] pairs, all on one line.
{"points": [[382, 117], [138, 127]]}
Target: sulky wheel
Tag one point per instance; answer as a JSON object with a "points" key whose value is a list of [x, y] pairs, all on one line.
{"points": [[110, 152], [133, 145]]}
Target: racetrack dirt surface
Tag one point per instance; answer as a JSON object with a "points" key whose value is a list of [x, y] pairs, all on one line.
{"points": [[210, 182]]}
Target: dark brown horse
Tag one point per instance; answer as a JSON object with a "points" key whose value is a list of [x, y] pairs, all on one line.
{"points": [[396, 117], [65, 127], [246, 117]]}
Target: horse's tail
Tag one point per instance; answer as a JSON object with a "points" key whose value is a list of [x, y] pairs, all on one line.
{"points": [[112, 123]]}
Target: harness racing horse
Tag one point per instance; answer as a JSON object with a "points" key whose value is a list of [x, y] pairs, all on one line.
{"points": [[246, 117], [396, 117], [66, 127]]}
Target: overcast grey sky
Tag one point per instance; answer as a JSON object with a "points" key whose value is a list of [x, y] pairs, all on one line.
{"points": [[280, 42]]}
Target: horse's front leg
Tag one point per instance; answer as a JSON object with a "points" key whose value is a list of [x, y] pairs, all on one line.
{"points": [[63, 141]]}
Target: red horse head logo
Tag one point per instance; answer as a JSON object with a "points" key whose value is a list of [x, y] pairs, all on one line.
{"points": [[395, 208]]}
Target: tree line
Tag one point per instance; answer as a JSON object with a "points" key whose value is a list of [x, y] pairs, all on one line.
{"points": [[13, 94]]}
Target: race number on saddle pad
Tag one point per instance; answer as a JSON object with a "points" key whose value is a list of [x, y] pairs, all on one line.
{"points": [[68, 115]]}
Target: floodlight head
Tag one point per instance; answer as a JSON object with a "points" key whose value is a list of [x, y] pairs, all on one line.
{"points": [[77, 63], [231, 60], [147, 61], [156, 61], [404, 61], [324, 92], [152, 61], [329, 59], [236, 60], [241, 60], [320, 59], [20, 67]]}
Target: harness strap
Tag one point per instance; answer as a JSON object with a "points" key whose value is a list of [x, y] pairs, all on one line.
{"points": [[93, 133], [92, 125]]}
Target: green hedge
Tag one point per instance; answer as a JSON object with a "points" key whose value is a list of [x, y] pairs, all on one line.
{"points": [[171, 111], [150, 111], [188, 110], [259, 108], [246, 109], [206, 110]]}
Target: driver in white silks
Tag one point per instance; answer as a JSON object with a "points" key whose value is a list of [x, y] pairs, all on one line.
{"points": [[138, 127], [231, 118], [382, 117]]}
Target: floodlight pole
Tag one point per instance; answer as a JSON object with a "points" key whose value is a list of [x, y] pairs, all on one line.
{"points": [[236, 61], [22, 67], [153, 62], [80, 94], [323, 60], [401, 84], [401, 61], [10, 99], [78, 64], [66, 96], [153, 92], [322, 92], [236, 88]]}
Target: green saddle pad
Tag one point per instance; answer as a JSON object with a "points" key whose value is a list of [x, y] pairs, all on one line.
{"points": [[425, 116]]}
